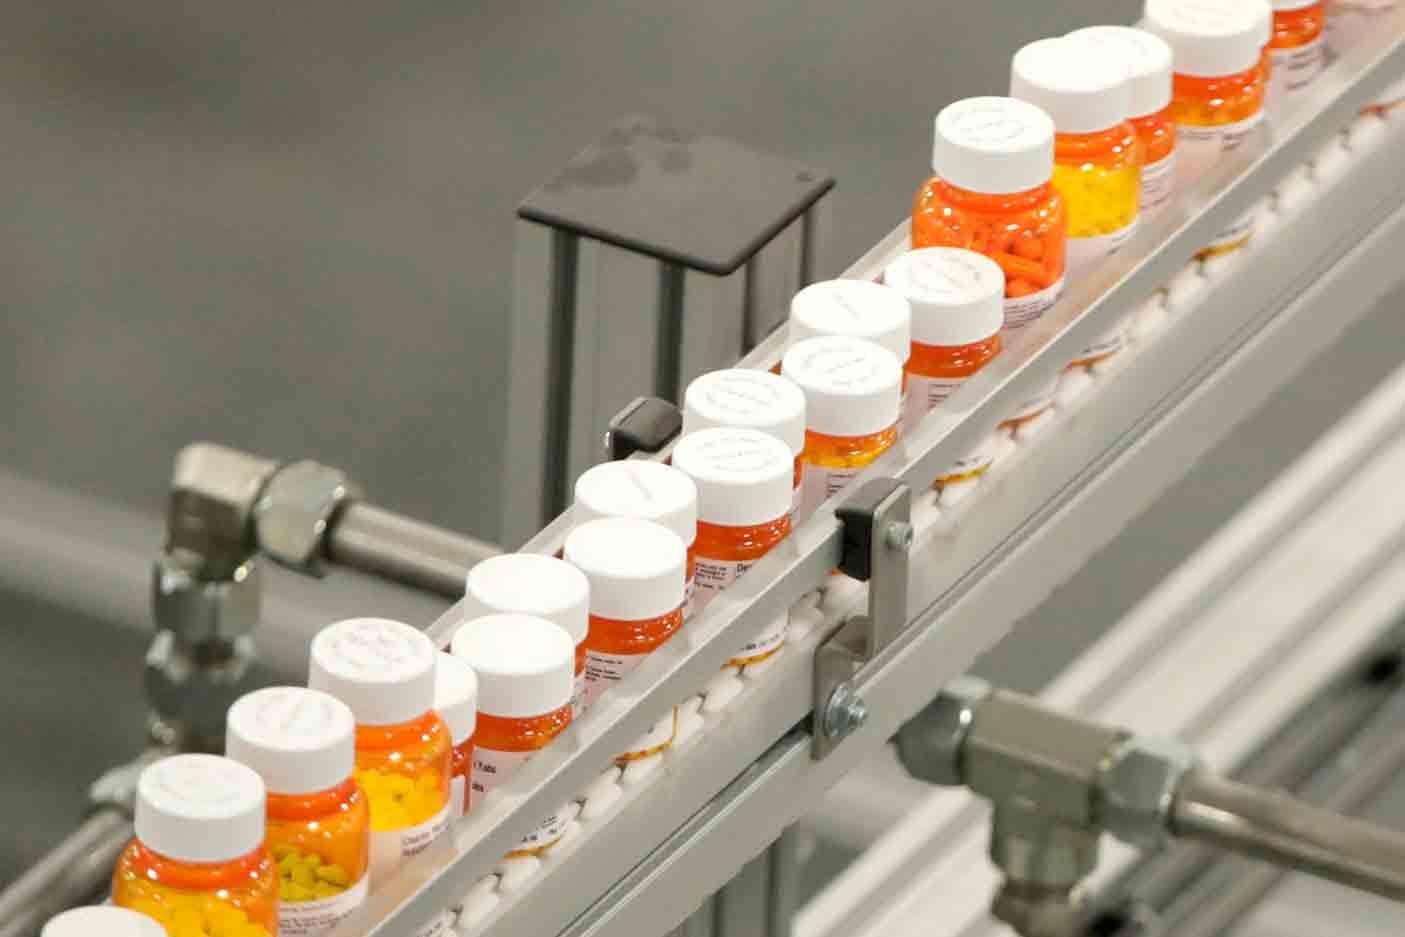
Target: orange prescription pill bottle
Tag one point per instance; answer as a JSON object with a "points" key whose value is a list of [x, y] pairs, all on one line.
{"points": [[636, 570], [526, 675], [1217, 91], [650, 491], [1097, 159], [102, 921], [198, 863], [1297, 50], [857, 308], [456, 702], [1147, 59], [745, 399], [303, 744], [532, 584], [853, 399], [994, 159], [956, 298], [384, 671], [743, 478]]}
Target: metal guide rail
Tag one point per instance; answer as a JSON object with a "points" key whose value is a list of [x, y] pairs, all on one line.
{"points": [[1235, 333]]}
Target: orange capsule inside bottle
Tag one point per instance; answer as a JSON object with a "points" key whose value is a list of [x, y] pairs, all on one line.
{"points": [[198, 863], [533, 584], [302, 743], [741, 398], [525, 675]]}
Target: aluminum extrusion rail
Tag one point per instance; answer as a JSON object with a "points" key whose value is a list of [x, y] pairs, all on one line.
{"points": [[1025, 533]]}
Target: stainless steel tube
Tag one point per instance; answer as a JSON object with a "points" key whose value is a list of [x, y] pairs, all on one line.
{"points": [[376, 541], [1264, 824], [75, 871]]}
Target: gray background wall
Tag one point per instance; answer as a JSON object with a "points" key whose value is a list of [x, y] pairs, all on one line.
{"points": [[286, 227]]}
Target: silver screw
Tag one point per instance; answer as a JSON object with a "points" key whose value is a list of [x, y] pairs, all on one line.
{"points": [[845, 712], [899, 535]]}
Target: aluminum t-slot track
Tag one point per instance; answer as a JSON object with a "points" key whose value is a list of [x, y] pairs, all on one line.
{"points": [[1209, 343]]}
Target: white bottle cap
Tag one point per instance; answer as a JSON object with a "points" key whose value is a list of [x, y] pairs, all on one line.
{"points": [[103, 921], [742, 397], [993, 145], [744, 476], [530, 584], [1286, 5], [382, 669], [852, 307], [1083, 93], [300, 741], [456, 696], [1146, 57], [650, 491], [200, 808], [526, 666], [957, 296], [852, 386], [637, 569], [1210, 38]]}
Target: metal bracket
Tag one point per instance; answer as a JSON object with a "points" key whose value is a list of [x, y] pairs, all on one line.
{"points": [[877, 539], [647, 424]]}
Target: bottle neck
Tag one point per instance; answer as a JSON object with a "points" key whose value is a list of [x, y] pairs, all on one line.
{"points": [[314, 805], [640, 636], [520, 733], [418, 731], [1112, 143], [742, 542], [993, 203], [198, 876]]}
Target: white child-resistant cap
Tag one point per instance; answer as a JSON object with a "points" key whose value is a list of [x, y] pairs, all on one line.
{"points": [[993, 145], [650, 491], [1210, 38], [530, 584], [300, 741], [456, 696], [200, 808], [852, 387], [1082, 93], [852, 307], [742, 397], [103, 921], [1286, 5], [637, 569], [382, 669], [744, 476], [957, 296], [1146, 57], [526, 666]]}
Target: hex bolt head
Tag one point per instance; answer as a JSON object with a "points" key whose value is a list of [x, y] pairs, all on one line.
{"points": [[845, 712], [899, 535]]}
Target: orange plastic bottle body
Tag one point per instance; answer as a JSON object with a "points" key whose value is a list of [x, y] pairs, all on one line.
{"points": [[404, 770], [321, 844], [937, 370], [225, 899], [1023, 232], [1099, 176], [1297, 53], [832, 462], [1213, 116], [724, 553], [1157, 133], [460, 773], [501, 745], [615, 649]]}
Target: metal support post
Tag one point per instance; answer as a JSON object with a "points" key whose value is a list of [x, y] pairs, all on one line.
{"points": [[876, 540]]}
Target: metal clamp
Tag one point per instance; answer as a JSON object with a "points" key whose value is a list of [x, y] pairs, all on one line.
{"points": [[877, 540]]}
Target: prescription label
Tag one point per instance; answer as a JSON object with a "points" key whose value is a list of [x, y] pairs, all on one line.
{"points": [[1200, 148], [1293, 70], [823, 482], [1158, 183], [1021, 311], [389, 848], [1085, 253], [716, 575], [603, 671], [492, 768], [315, 918], [458, 792]]}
